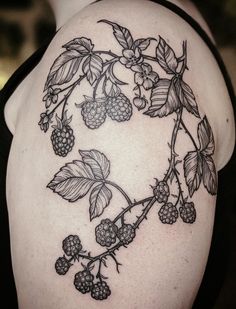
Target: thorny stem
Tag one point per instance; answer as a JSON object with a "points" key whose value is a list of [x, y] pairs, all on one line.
{"points": [[173, 141], [180, 196], [128, 208], [117, 263], [184, 66], [80, 255], [145, 212], [110, 251], [104, 254], [99, 270]]}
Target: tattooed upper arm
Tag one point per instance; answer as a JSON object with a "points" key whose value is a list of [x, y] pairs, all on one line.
{"points": [[133, 151]]}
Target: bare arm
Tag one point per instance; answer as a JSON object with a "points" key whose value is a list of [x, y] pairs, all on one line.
{"points": [[127, 171]]}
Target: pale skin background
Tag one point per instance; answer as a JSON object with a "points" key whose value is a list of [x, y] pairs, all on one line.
{"points": [[164, 266]]}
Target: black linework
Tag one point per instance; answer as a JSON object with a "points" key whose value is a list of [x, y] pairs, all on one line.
{"points": [[156, 97]]}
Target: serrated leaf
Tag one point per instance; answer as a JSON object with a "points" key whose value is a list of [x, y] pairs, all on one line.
{"points": [[122, 34], [193, 171], [166, 57], [98, 162], [73, 181], [209, 174], [82, 45], [206, 138], [64, 68], [142, 43], [99, 199], [187, 97], [164, 99], [92, 67]]}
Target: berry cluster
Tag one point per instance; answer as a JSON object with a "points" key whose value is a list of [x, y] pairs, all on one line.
{"points": [[168, 213], [83, 280], [94, 111], [107, 233], [71, 246]]}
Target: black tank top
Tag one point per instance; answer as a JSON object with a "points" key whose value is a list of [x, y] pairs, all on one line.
{"points": [[218, 257]]}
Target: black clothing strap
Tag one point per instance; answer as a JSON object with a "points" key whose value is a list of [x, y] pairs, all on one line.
{"points": [[218, 254]]}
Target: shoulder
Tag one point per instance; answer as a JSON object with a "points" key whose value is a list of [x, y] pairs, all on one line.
{"points": [[105, 26]]}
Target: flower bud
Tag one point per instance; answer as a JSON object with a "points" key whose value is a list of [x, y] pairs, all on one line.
{"points": [[140, 102]]}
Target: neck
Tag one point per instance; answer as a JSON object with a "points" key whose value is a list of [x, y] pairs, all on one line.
{"points": [[65, 9]]}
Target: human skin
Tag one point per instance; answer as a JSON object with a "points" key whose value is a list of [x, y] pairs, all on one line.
{"points": [[163, 266]]}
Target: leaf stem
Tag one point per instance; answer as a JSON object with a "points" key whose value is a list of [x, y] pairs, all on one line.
{"points": [[97, 84], [150, 58], [71, 87], [109, 53], [120, 190], [189, 134]]}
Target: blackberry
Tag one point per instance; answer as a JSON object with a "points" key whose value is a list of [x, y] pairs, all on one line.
{"points": [[119, 108], [188, 212], [71, 245], [126, 234], [168, 213], [106, 233], [100, 291], [94, 113], [62, 265], [62, 136], [84, 281], [161, 191]]}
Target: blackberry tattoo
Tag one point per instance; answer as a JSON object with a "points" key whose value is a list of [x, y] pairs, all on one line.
{"points": [[156, 97], [168, 213], [84, 281], [119, 108], [62, 136]]}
